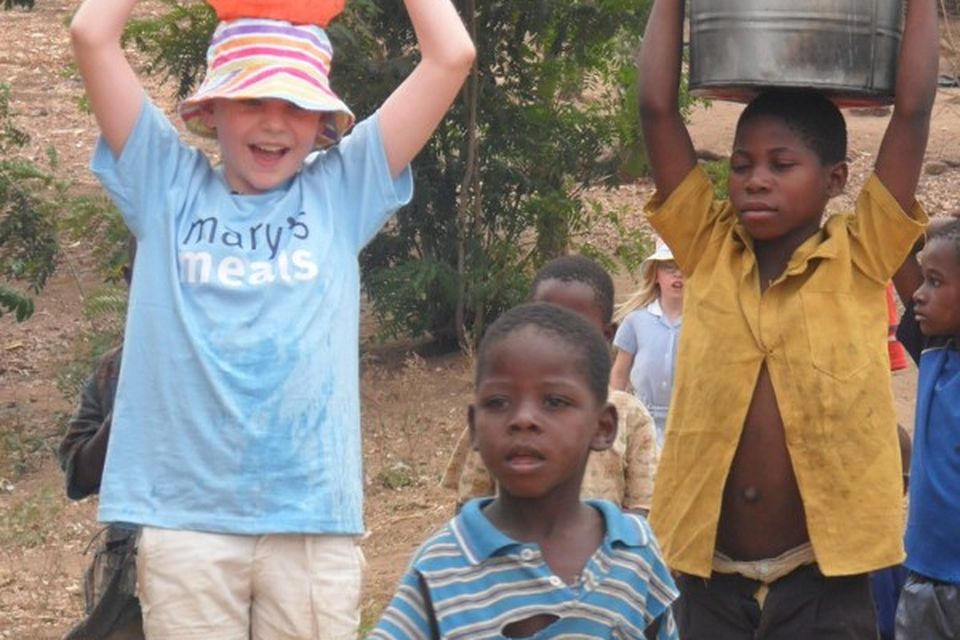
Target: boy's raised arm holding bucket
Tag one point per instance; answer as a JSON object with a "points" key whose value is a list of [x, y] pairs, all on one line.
{"points": [[781, 460]]}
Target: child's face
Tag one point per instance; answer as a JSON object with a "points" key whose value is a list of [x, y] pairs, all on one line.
{"points": [[534, 419], [263, 142], [937, 301], [669, 280], [578, 297], [777, 184]]}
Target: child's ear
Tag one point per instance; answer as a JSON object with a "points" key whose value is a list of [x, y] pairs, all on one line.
{"points": [[606, 432], [471, 418], [610, 331], [838, 179]]}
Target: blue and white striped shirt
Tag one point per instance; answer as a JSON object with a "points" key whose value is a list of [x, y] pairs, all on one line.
{"points": [[469, 581]]}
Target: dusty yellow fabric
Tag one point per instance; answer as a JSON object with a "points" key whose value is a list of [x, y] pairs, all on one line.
{"points": [[822, 329], [622, 474]]}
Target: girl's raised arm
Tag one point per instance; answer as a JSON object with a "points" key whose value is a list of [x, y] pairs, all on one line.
{"points": [[412, 112], [114, 91]]}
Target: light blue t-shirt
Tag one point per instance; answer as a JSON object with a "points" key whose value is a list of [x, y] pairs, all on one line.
{"points": [[237, 408], [652, 339]]}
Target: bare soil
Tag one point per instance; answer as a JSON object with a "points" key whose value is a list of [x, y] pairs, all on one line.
{"points": [[414, 407]]}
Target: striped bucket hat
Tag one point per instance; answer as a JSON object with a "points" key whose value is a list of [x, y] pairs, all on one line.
{"points": [[261, 58]]}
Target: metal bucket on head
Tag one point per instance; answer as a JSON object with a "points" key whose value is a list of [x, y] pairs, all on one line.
{"points": [[845, 48]]}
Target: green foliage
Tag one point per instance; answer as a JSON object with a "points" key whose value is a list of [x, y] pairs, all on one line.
{"points": [[95, 222], [719, 172], [10, 4], [632, 247], [105, 310], [29, 200], [551, 105], [175, 42]]}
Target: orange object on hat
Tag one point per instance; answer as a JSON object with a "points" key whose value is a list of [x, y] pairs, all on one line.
{"points": [[318, 12], [898, 355]]}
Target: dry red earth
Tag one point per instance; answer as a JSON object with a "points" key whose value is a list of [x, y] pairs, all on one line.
{"points": [[413, 407]]}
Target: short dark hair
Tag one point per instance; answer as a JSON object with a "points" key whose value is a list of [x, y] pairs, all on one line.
{"points": [[809, 114], [946, 229], [579, 269], [567, 326]]}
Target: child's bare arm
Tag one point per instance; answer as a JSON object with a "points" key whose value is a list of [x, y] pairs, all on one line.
{"points": [[412, 112], [905, 141], [908, 277], [620, 372], [669, 148], [114, 91]]}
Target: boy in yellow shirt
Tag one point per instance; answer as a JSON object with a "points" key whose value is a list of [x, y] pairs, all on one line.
{"points": [[775, 487]]}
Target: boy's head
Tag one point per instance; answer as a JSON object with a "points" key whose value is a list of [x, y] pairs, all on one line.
{"points": [[788, 160], [579, 284], [267, 100], [809, 114], [937, 301], [540, 400]]}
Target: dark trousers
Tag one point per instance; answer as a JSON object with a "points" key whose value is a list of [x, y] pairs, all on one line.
{"points": [[803, 605], [929, 609]]}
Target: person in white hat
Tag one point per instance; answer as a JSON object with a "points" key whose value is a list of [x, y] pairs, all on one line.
{"points": [[235, 440], [647, 336]]}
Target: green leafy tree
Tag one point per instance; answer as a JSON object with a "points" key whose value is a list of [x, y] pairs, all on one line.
{"points": [[10, 4], [28, 203], [547, 113]]}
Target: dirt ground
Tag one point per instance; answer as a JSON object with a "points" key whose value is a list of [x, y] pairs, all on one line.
{"points": [[413, 407]]}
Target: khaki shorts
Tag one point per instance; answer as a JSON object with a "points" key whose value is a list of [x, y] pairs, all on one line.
{"points": [[196, 585]]}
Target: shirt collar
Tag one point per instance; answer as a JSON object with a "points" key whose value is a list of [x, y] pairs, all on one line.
{"points": [[480, 540], [821, 244]]}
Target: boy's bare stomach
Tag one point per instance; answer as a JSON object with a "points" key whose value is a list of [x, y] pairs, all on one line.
{"points": [[762, 514]]}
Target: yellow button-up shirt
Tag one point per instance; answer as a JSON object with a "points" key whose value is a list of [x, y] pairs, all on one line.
{"points": [[821, 327]]}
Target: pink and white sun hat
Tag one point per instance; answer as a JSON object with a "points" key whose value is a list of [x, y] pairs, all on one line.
{"points": [[259, 58]]}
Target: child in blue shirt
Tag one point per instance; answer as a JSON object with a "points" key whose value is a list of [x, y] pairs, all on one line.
{"points": [[535, 561], [929, 606], [235, 442]]}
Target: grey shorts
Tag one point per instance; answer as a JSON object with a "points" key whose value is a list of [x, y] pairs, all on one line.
{"points": [[928, 609]]}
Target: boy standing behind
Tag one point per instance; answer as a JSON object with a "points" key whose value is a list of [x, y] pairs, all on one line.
{"points": [[929, 605], [775, 485], [235, 441], [535, 561], [623, 473]]}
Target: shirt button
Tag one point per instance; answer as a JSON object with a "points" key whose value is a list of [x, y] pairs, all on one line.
{"points": [[526, 554], [555, 581]]}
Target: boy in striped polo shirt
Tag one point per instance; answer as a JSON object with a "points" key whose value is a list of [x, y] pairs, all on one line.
{"points": [[535, 561]]}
